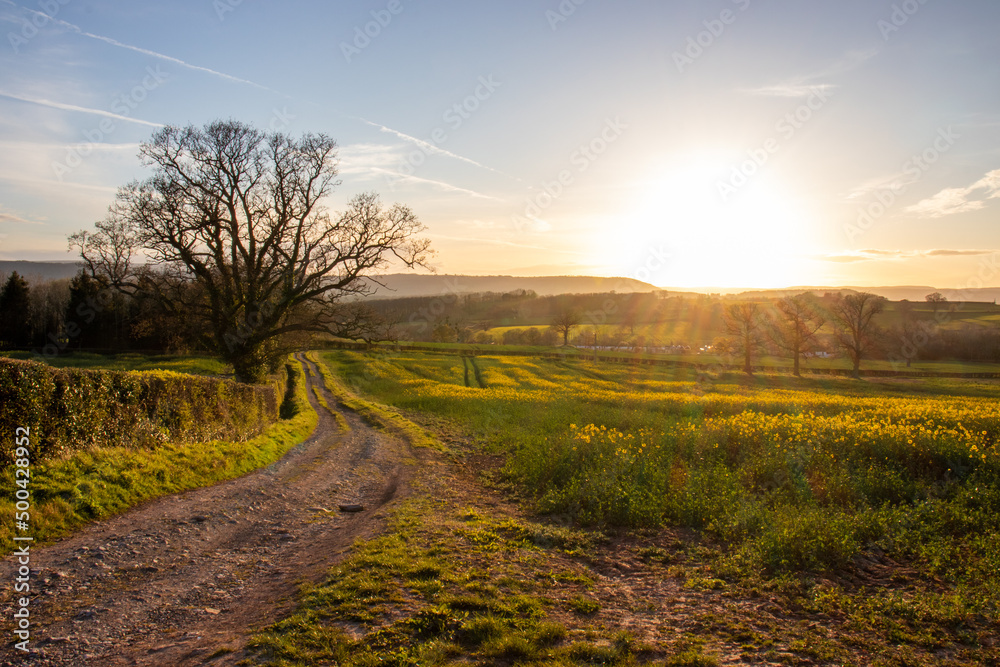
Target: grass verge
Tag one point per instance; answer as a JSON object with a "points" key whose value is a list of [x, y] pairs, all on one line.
{"points": [[94, 484]]}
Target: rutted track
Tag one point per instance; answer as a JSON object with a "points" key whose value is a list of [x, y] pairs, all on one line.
{"points": [[175, 580]]}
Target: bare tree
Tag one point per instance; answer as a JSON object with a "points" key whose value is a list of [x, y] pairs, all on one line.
{"points": [[745, 323], [936, 299], [796, 328], [359, 321], [857, 332], [238, 242], [564, 322]]}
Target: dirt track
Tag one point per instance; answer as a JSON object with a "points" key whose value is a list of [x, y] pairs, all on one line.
{"points": [[176, 579]]}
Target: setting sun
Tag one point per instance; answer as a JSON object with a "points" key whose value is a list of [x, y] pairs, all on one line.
{"points": [[757, 238]]}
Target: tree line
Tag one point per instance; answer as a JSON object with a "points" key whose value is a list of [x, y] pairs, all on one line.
{"points": [[857, 326]]}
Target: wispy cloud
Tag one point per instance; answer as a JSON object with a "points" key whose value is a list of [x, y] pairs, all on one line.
{"points": [[791, 89], [872, 254], [73, 107], [52, 185], [10, 217], [40, 146], [114, 42], [365, 157], [897, 180], [951, 201], [805, 85], [958, 253], [429, 147]]}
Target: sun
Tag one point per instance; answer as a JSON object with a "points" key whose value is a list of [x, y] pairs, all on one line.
{"points": [[755, 237]]}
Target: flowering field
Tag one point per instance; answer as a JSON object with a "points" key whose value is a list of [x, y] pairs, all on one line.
{"points": [[789, 474]]}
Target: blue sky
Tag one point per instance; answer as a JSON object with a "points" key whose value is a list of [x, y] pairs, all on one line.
{"points": [[747, 143]]}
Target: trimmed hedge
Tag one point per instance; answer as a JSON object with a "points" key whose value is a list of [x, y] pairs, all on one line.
{"points": [[70, 410]]}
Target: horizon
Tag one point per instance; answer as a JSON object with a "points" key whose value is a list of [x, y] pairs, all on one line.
{"points": [[699, 289], [757, 146]]}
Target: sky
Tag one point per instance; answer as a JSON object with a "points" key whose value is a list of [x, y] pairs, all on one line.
{"points": [[729, 143]]}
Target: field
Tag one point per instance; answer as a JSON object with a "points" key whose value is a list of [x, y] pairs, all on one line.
{"points": [[869, 511], [808, 365]]}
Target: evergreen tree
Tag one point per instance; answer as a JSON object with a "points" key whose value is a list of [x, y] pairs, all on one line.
{"points": [[92, 317], [15, 312]]}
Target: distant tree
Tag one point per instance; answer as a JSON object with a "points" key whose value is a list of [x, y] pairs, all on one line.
{"points": [[744, 323], [630, 318], [724, 346], [93, 316], [48, 306], [564, 322], [445, 333], [483, 338], [15, 312], [857, 332], [905, 335], [905, 308], [513, 337], [796, 327], [359, 321], [936, 299]]}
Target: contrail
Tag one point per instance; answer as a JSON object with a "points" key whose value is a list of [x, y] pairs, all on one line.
{"points": [[441, 184], [73, 107], [429, 147], [114, 42]]}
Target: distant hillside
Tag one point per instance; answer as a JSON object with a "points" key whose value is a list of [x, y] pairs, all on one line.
{"points": [[403, 285], [40, 270], [898, 293], [909, 292]]}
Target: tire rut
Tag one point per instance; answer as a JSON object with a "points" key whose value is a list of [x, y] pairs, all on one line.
{"points": [[177, 579]]}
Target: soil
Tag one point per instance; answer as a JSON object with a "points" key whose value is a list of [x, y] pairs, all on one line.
{"points": [[184, 578]]}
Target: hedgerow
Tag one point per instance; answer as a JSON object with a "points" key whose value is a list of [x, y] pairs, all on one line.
{"points": [[70, 410]]}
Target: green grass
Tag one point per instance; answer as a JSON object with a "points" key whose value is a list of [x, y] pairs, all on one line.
{"points": [[69, 492], [427, 593]]}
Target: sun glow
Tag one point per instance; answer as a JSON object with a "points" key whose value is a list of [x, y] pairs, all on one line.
{"points": [[757, 237]]}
